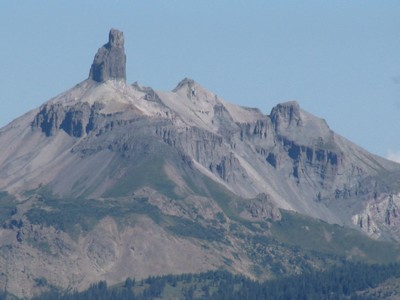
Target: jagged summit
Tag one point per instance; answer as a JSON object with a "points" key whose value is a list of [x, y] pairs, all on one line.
{"points": [[189, 87], [110, 60], [183, 83]]}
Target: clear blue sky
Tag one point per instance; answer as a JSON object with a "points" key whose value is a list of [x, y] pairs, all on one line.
{"points": [[339, 59]]}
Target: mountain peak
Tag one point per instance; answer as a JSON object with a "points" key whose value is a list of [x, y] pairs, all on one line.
{"points": [[110, 61], [184, 83], [191, 88], [286, 114]]}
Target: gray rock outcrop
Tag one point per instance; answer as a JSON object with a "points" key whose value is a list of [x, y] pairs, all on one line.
{"points": [[110, 60]]}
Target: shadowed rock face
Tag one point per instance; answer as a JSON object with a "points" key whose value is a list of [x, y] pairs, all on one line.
{"points": [[110, 60]]}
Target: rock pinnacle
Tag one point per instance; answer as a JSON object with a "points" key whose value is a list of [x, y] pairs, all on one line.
{"points": [[110, 60]]}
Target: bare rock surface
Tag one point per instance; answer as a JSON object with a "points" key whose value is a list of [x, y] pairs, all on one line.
{"points": [[110, 60]]}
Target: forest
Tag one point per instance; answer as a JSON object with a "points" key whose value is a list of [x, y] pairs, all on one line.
{"points": [[348, 281]]}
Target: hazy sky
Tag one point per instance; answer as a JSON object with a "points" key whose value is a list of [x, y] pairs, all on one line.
{"points": [[339, 59]]}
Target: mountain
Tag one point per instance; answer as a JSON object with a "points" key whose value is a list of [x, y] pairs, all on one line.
{"points": [[109, 180]]}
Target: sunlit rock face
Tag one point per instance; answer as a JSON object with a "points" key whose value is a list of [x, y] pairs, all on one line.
{"points": [[110, 60]]}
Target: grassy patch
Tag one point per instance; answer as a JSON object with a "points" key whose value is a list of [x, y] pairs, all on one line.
{"points": [[230, 204], [149, 173]]}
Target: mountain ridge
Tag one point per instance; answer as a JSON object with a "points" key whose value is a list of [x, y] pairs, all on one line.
{"points": [[191, 105], [97, 170]]}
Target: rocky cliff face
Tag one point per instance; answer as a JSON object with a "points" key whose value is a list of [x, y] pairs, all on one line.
{"points": [[110, 60], [380, 216], [173, 165], [290, 155]]}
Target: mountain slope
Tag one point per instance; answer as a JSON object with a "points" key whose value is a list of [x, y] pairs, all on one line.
{"points": [[248, 152], [130, 181]]}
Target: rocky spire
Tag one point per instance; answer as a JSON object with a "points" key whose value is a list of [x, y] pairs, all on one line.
{"points": [[110, 60]]}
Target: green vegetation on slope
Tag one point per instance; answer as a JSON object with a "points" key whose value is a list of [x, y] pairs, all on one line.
{"points": [[188, 228], [8, 206], [79, 216], [149, 173], [293, 245], [316, 235], [349, 281], [69, 215]]}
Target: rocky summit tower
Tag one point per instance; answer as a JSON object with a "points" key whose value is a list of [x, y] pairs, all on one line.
{"points": [[110, 60]]}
